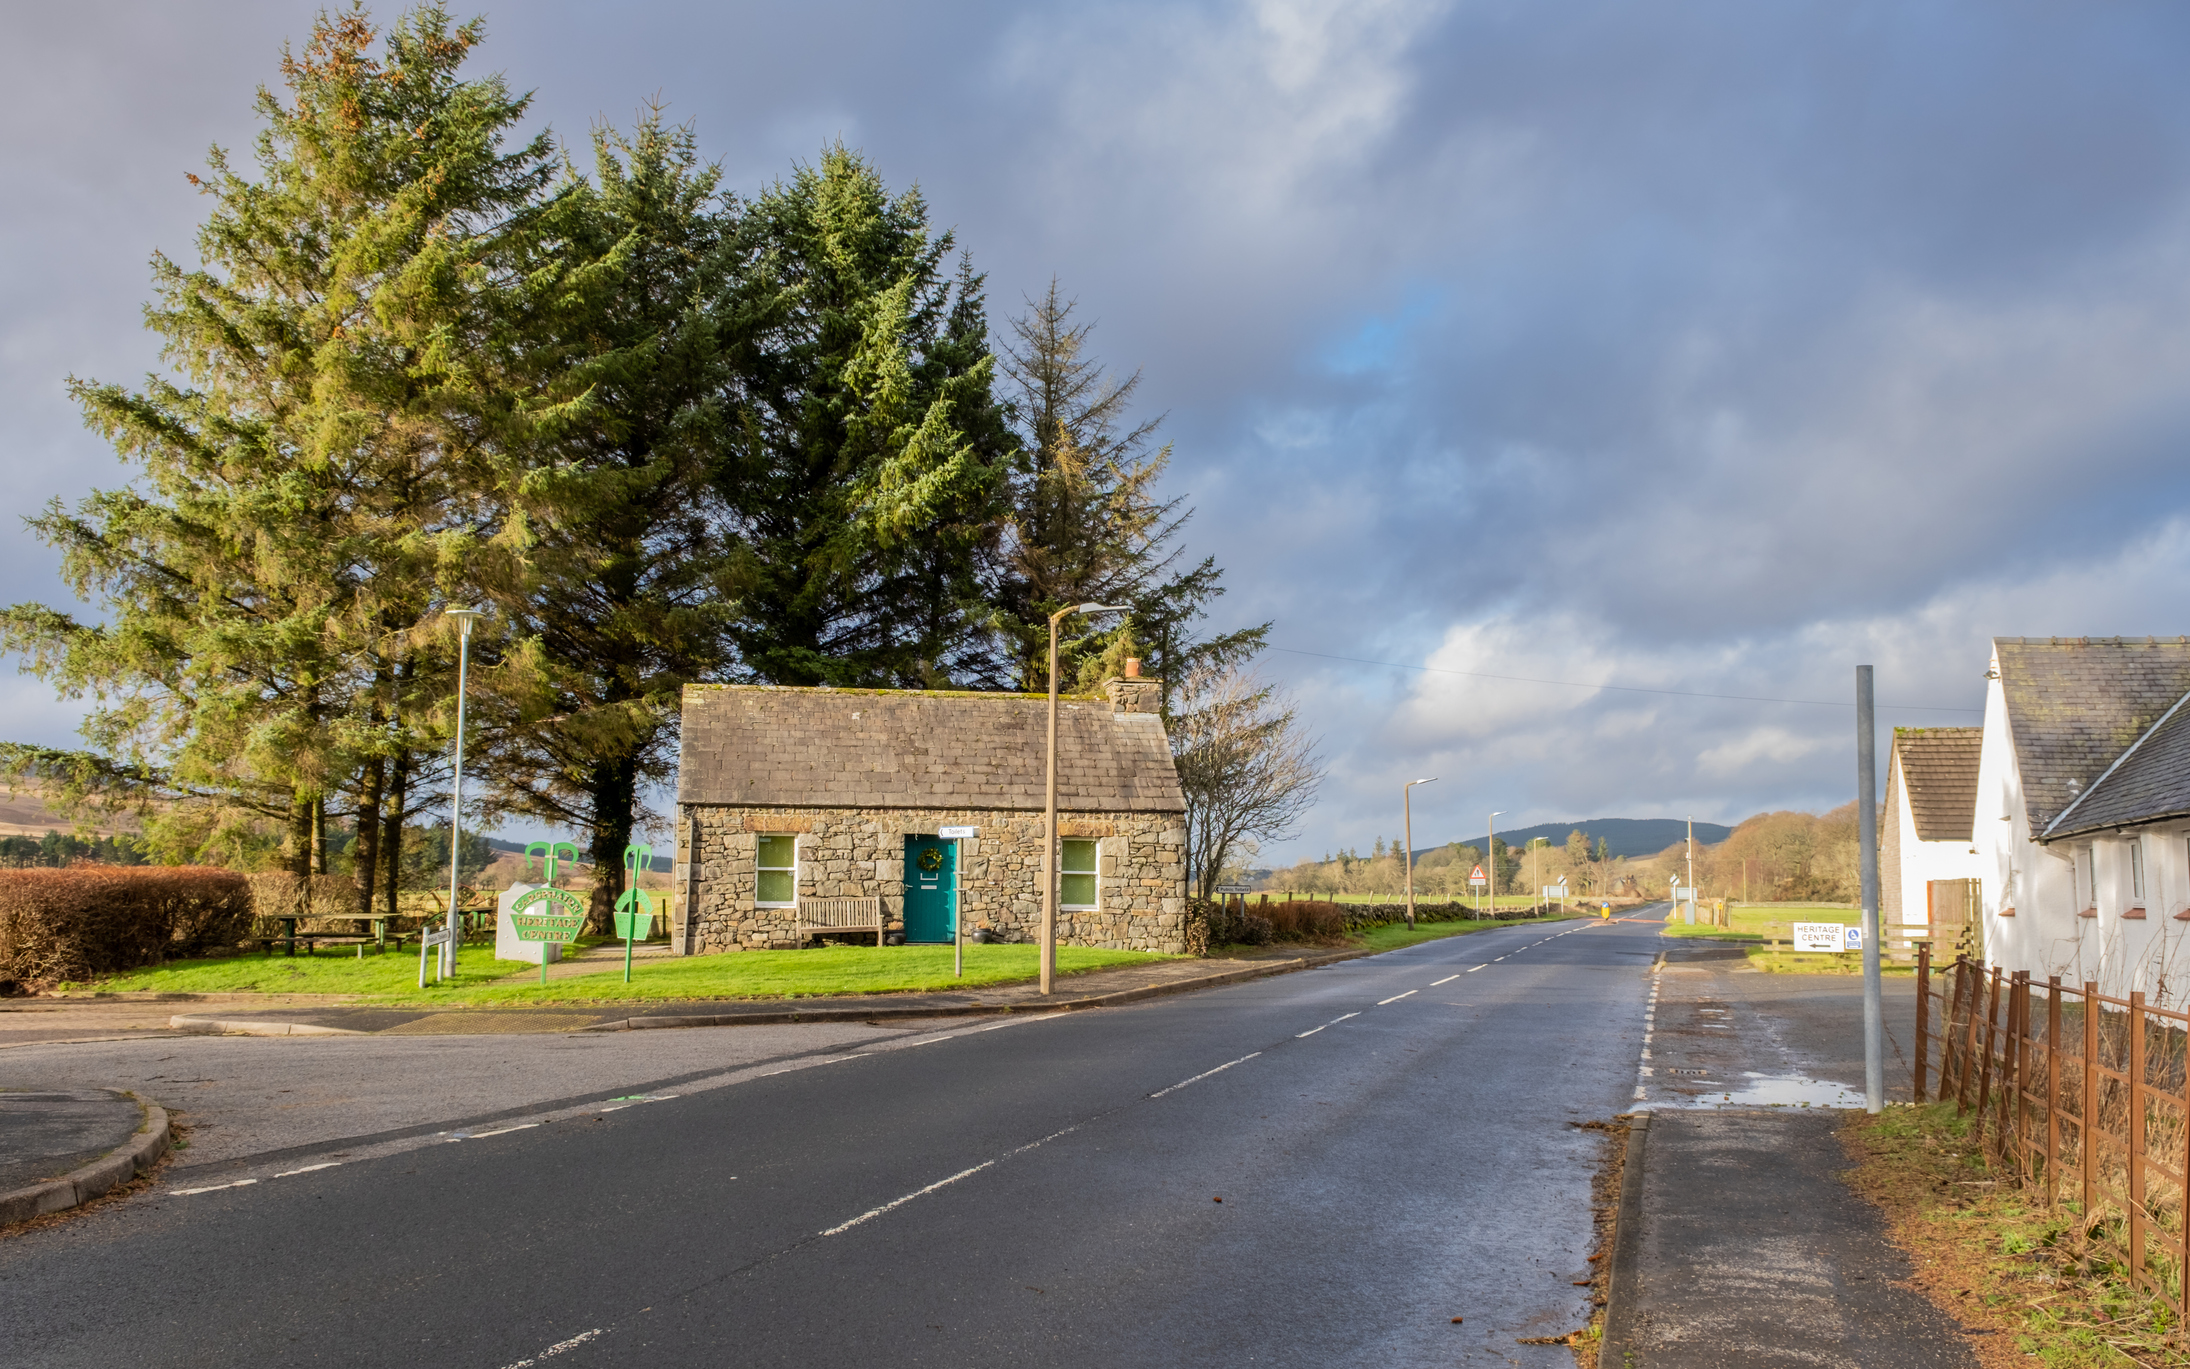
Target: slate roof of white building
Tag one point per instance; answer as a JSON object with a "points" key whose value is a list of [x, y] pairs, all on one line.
{"points": [[774, 746], [2149, 783], [1939, 774], [2076, 704]]}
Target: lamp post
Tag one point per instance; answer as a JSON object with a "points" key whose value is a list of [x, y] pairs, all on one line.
{"points": [[1049, 823], [464, 617], [1406, 801], [1490, 859]]}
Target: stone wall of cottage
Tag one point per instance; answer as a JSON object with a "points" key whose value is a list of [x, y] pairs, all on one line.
{"points": [[852, 852]]}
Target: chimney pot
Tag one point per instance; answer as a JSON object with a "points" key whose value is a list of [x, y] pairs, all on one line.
{"points": [[1133, 667]]}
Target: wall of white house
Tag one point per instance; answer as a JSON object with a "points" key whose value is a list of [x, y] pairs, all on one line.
{"points": [[1924, 861], [2050, 887]]}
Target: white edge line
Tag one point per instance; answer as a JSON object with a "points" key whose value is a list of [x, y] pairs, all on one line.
{"points": [[1446, 980], [1204, 1075], [871, 1213], [1310, 1032], [521, 1126], [325, 1164], [212, 1188], [558, 1348]]}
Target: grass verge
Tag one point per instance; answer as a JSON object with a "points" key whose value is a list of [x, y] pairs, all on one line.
{"points": [[1398, 934], [819, 972], [1999, 1263]]}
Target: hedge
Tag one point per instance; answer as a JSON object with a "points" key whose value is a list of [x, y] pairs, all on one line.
{"points": [[1263, 920], [101, 919]]}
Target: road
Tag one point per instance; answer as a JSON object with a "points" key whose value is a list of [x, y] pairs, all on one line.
{"points": [[1393, 1140]]}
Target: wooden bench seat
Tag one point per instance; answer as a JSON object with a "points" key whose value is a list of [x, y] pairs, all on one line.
{"points": [[820, 915]]}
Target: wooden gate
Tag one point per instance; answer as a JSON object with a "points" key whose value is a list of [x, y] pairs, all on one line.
{"points": [[1956, 910]]}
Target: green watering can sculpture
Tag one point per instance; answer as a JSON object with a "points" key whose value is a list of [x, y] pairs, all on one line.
{"points": [[634, 911]]}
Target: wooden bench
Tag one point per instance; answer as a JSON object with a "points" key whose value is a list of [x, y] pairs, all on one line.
{"points": [[819, 915]]}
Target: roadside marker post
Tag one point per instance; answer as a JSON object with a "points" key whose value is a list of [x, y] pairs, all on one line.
{"points": [[954, 835]]}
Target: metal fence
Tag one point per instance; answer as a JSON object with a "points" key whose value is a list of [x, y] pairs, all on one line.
{"points": [[2078, 1095]]}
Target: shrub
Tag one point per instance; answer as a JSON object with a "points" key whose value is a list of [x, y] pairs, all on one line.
{"points": [[98, 919]]}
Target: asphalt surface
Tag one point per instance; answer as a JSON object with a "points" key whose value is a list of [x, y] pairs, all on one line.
{"points": [[1393, 1139], [45, 1133]]}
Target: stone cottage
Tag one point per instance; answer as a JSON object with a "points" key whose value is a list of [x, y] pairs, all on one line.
{"points": [[913, 812]]}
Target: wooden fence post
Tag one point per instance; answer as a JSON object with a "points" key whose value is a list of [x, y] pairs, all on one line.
{"points": [[2088, 1129], [1984, 1061], [1969, 1039], [2053, 1089], [2135, 1132], [1923, 1015], [2017, 1114]]}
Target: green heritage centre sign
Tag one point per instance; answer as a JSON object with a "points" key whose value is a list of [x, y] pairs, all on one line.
{"points": [[548, 914]]}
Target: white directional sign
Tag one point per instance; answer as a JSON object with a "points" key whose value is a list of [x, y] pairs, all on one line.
{"points": [[1554, 892], [1234, 889], [1823, 936], [1681, 895], [958, 833]]}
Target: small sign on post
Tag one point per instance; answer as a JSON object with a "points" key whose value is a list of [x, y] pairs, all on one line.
{"points": [[1234, 889], [958, 833], [548, 914], [1478, 877]]}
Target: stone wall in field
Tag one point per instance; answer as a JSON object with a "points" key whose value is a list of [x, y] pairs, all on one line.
{"points": [[855, 852]]}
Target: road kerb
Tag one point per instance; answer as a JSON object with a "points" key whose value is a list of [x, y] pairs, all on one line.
{"points": [[1620, 1291], [247, 1026], [118, 1166]]}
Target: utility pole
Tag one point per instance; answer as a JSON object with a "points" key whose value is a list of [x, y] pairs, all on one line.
{"points": [[1490, 859], [1691, 858], [1866, 801], [1406, 799]]}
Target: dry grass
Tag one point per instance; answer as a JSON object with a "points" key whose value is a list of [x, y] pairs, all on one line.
{"points": [[1993, 1257]]}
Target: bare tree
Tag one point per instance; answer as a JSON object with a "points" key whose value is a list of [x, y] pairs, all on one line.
{"points": [[1248, 770]]}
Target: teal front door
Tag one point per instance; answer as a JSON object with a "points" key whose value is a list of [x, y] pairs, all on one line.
{"points": [[931, 884]]}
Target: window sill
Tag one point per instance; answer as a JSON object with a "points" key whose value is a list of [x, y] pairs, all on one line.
{"points": [[2007, 912], [2088, 912], [2133, 915]]}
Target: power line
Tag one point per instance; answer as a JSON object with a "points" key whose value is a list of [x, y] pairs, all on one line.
{"points": [[1625, 689]]}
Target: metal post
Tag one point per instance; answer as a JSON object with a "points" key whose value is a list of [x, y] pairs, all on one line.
{"points": [[1049, 804], [1406, 798], [464, 617], [1049, 820], [1866, 799]]}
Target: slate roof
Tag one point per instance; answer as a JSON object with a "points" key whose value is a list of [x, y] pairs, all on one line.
{"points": [[772, 746], [1939, 772], [2149, 783], [2075, 704]]}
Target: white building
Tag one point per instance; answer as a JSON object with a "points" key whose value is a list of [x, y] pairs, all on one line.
{"points": [[2082, 819], [1931, 792]]}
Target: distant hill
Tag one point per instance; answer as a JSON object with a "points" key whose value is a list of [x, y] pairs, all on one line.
{"points": [[1622, 836]]}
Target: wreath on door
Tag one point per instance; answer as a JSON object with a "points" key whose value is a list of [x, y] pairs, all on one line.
{"points": [[931, 860]]}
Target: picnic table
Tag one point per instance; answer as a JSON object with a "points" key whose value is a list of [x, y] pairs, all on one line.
{"points": [[290, 936]]}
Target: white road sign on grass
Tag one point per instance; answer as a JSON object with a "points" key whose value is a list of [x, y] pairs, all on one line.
{"points": [[1825, 936]]}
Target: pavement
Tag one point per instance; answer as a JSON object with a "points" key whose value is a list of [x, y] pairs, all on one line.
{"points": [[1323, 1168], [1749, 1248], [45, 1133]]}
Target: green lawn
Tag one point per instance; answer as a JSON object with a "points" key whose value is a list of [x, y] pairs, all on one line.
{"points": [[746, 974]]}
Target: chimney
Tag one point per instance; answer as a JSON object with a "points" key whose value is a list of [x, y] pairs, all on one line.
{"points": [[1132, 693]]}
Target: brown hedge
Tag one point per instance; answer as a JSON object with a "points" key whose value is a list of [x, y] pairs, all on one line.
{"points": [[100, 919]]}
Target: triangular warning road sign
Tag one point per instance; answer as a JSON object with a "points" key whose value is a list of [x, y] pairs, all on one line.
{"points": [[1478, 876]]}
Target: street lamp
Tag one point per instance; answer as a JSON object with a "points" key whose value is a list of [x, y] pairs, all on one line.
{"points": [[1490, 859], [1406, 799], [1049, 825], [464, 617]]}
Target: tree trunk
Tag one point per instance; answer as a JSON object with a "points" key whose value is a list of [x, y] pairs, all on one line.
{"points": [[319, 834], [391, 828], [365, 855], [300, 835], [615, 797]]}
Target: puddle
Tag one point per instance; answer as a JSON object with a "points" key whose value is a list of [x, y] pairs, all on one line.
{"points": [[1771, 1091]]}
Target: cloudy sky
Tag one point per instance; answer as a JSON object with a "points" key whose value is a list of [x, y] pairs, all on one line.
{"points": [[1700, 348]]}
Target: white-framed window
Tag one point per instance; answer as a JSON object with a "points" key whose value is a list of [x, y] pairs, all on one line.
{"points": [[2136, 870], [777, 860], [1076, 887]]}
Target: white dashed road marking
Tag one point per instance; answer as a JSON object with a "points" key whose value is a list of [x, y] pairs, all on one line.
{"points": [[1397, 996]]}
